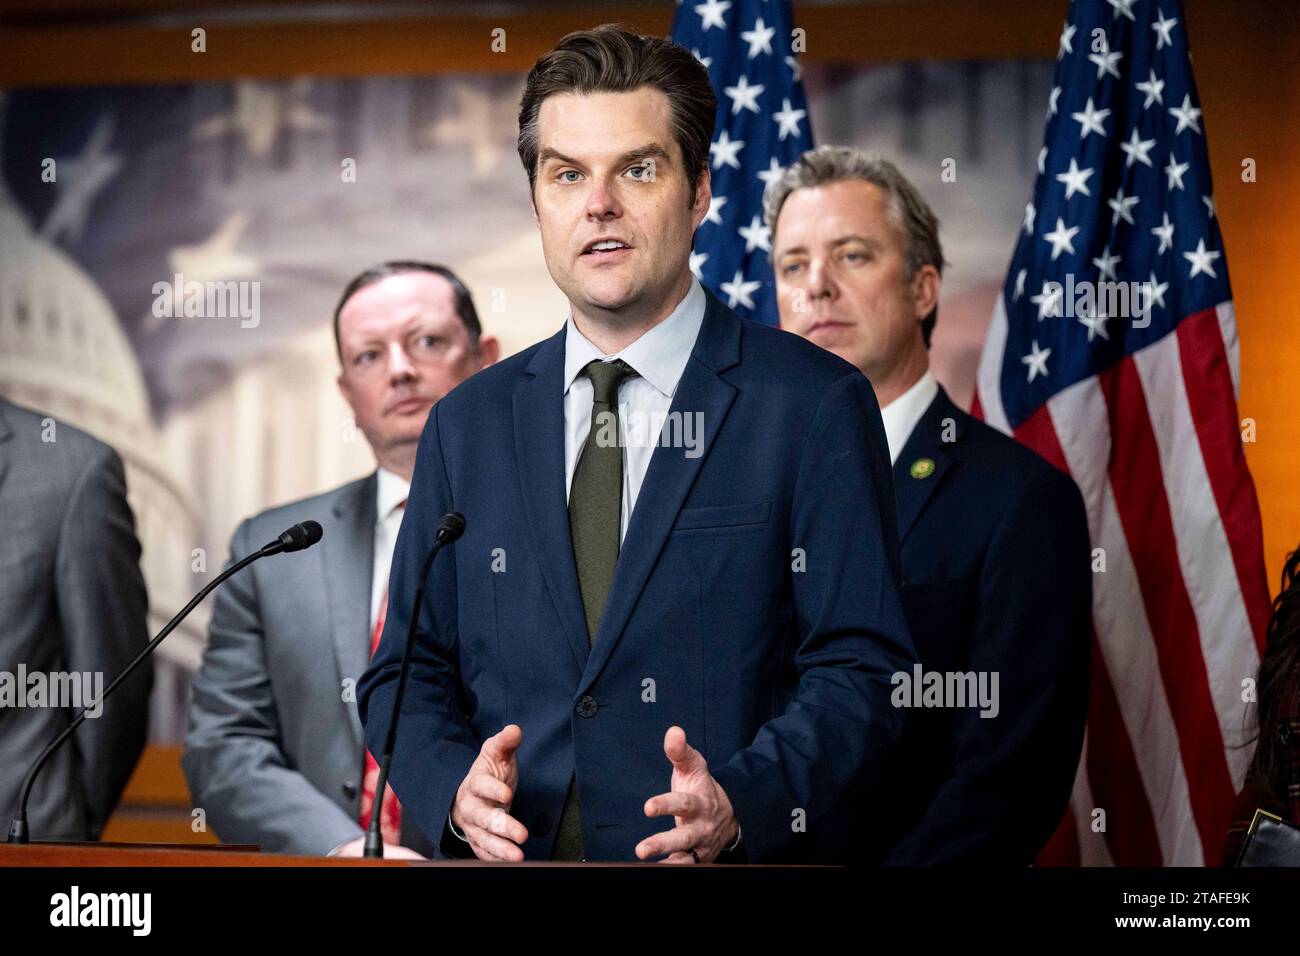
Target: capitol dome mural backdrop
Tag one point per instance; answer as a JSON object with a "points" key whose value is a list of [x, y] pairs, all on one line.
{"points": [[278, 192]]}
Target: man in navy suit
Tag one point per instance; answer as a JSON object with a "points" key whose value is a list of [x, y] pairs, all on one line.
{"points": [[996, 578], [677, 594]]}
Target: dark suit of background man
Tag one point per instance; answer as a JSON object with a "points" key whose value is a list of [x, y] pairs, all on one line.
{"points": [[995, 540], [72, 599], [627, 633], [274, 752]]}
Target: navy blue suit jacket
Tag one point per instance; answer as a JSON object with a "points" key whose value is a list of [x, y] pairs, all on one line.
{"points": [[996, 578], [755, 604]]}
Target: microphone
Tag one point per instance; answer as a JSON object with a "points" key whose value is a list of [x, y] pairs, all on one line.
{"points": [[297, 538], [450, 527]]}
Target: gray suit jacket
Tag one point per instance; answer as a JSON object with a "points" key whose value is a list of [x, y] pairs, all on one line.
{"points": [[274, 751], [72, 599]]}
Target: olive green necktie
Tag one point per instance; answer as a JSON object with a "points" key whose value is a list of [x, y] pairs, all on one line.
{"points": [[596, 494], [595, 516]]}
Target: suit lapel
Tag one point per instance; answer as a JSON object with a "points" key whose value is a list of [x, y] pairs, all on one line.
{"points": [[539, 453], [349, 566], [912, 490], [5, 434], [670, 475]]}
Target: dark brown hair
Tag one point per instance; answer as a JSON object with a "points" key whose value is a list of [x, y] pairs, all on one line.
{"points": [[613, 59], [1279, 684]]}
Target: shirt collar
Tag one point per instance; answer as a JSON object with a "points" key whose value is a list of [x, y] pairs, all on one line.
{"points": [[901, 415], [391, 490], [659, 355]]}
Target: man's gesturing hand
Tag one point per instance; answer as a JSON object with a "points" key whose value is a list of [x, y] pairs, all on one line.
{"points": [[700, 808], [481, 809]]}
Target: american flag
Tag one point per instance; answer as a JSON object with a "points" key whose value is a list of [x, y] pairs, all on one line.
{"points": [[1142, 412], [750, 49]]}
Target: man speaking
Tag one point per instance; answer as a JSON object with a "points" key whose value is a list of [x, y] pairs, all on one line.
{"points": [[669, 629]]}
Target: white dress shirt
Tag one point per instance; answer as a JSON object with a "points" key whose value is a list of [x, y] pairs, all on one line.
{"points": [[659, 357], [391, 491], [902, 414]]}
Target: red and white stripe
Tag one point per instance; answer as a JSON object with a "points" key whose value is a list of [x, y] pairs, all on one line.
{"points": [[1179, 611]]}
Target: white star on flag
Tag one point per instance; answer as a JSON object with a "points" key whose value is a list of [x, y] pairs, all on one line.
{"points": [[759, 38], [697, 261], [711, 12], [743, 96], [1165, 233], [756, 235], [1137, 149], [714, 215], [1037, 361], [1095, 324], [1202, 260], [1106, 263], [1187, 115], [787, 119], [1175, 173], [1049, 300], [772, 173], [725, 150], [1107, 61], [1154, 90], [1061, 238], [1075, 179], [1122, 206], [1020, 284], [1124, 7], [738, 290], [1162, 28], [1156, 291], [1090, 120], [1067, 34]]}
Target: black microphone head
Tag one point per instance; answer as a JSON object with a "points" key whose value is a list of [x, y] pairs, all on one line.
{"points": [[451, 527], [302, 535]]}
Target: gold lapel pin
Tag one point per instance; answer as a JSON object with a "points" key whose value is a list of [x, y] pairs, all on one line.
{"points": [[922, 468]]}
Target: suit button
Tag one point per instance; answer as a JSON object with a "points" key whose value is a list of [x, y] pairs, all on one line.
{"points": [[587, 706], [349, 789], [541, 825], [1285, 732]]}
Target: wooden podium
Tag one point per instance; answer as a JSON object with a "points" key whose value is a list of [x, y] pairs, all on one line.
{"points": [[205, 855], [153, 855]]}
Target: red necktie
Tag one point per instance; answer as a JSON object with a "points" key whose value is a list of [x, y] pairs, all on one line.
{"points": [[390, 813]]}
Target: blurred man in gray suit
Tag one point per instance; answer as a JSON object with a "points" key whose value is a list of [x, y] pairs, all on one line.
{"points": [[72, 616], [274, 753]]}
